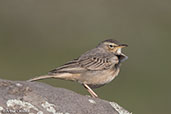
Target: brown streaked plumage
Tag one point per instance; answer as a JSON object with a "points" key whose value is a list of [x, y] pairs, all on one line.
{"points": [[94, 68]]}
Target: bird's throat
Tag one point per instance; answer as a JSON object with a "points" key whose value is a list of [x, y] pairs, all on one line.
{"points": [[122, 57]]}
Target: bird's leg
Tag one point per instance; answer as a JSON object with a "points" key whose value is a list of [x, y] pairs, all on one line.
{"points": [[92, 93]]}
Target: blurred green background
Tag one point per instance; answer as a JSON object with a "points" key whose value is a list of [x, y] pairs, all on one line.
{"points": [[37, 36]]}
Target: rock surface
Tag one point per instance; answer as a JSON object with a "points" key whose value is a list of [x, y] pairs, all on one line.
{"points": [[21, 97]]}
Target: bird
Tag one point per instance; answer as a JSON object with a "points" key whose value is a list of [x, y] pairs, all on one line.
{"points": [[92, 69]]}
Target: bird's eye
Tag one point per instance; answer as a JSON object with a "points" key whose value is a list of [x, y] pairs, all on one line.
{"points": [[111, 46]]}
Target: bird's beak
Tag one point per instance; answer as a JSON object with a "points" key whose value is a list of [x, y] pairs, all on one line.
{"points": [[122, 46], [118, 48]]}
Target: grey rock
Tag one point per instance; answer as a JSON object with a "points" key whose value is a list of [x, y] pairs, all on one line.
{"points": [[21, 97]]}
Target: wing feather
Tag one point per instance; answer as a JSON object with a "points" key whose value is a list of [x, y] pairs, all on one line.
{"points": [[96, 63], [89, 61]]}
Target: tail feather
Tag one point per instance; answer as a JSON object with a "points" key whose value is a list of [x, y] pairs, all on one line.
{"points": [[65, 76], [40, 78]]}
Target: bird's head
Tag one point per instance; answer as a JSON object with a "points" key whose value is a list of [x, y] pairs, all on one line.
{"points": [[112, 46]]}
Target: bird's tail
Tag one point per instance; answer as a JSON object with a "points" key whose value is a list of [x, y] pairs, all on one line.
{"points": [[65, 76], [40, 78]]}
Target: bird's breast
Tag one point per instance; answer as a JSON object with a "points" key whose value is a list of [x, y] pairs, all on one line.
{"points": [[108, 76], [99, 78]]}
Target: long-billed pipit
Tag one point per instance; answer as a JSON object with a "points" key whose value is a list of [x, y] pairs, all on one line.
{"points": [[94, 68]]}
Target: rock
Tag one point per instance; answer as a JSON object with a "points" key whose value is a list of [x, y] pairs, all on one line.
{"points": [[21, 97]]}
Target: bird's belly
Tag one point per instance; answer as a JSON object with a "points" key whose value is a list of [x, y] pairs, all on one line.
{"points": [[99, 78]]}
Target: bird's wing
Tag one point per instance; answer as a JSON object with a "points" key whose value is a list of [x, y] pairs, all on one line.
{"points": [[98, 62], [88, 61], [70, 67]]}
